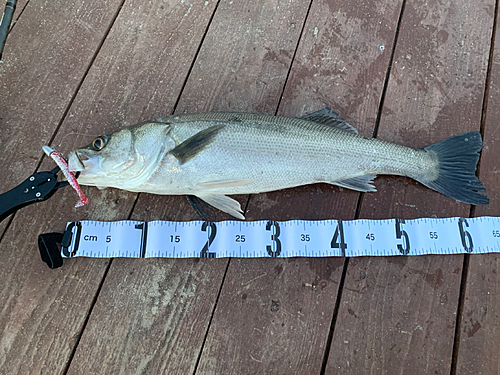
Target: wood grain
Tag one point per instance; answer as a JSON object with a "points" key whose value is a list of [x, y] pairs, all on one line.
{"points": [[245, 334], [244, 61], [148, 316], [138, 75], [395, 316], [40, 75], [43, 311], [435, 91], [479, 323], [479, 327], [273, 316], [338, 64]]}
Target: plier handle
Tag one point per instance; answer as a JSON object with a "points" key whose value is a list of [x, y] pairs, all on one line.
{"points": [[36, 188]]}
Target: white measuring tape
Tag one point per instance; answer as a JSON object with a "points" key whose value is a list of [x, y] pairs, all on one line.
{"points": [[296, 238]]}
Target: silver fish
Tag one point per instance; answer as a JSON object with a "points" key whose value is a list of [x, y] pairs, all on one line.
{"points": [[213, 155]]}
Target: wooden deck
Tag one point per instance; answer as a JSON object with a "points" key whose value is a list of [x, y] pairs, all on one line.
{"points": [[409, 71]]}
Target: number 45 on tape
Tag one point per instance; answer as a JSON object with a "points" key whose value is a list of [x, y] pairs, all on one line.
{"points": [[283, 239]]}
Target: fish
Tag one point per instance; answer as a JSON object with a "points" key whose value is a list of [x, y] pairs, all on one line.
{"points": [[213, 155]]}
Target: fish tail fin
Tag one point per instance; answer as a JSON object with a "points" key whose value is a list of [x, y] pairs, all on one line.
{"points": [[457, 160]]}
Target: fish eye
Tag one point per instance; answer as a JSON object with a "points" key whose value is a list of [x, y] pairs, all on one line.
{"points": [[99, 143]]}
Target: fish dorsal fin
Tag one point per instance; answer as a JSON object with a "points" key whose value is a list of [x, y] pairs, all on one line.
{"points": [[195, 144], [223, 203], [360, 183], [331, 118]]}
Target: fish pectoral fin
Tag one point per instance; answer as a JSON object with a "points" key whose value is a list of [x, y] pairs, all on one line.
{"points": [[212, 185], [223, 203], [331, 118], [361, 183], [195, 144]]}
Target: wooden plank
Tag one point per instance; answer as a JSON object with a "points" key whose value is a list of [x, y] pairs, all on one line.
{"points": [[272, 317], [137, 76], [239, 68], [148, 316], [479, 322], [208, 65], [43, 310], [341, 65], [394, 312], [250, 332], [243, 63], [39, 76], [489, 166], [479, 327], [407, 307], [122, 83]]}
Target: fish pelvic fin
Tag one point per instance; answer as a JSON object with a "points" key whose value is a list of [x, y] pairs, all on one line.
{"points": [[362, 183], [195, 144], [331, 118], [457, 159], [200, 207], [221, 184], [223, 203]]}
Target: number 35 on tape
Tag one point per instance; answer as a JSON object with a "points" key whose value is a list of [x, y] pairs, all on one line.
{"points": [[283, 239]]}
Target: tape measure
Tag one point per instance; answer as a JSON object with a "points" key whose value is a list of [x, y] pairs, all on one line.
{"points": [[296, 238]]}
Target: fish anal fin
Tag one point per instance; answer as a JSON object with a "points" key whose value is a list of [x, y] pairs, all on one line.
{"points": [[221, 184], [195, 144], [223, 203], [361, 183], [328, 117]]}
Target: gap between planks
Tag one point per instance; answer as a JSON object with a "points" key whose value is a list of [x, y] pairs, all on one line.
{"points": [[472, 213], [361, 195]]}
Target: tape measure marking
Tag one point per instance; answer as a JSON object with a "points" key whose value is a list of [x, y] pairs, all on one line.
{"points": [[201, 239]]}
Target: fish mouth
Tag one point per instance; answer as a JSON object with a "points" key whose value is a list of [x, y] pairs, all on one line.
{"points": [[79, 162]]}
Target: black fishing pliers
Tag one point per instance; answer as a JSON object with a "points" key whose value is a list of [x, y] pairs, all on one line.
{"points": [[36, 188]]}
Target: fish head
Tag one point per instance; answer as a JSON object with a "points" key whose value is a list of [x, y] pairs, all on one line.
{"points": [[123, 158]]}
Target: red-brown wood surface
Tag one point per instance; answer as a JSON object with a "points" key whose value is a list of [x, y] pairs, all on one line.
{"points": [[396, 316], [74, 70], [203, 86], [435, 91], [42, 312], [259, 343], [148, 317], [121, 88], [273, 316], [479, 329]]}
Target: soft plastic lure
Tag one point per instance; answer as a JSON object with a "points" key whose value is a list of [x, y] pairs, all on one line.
{"points": [[63, 165]]}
